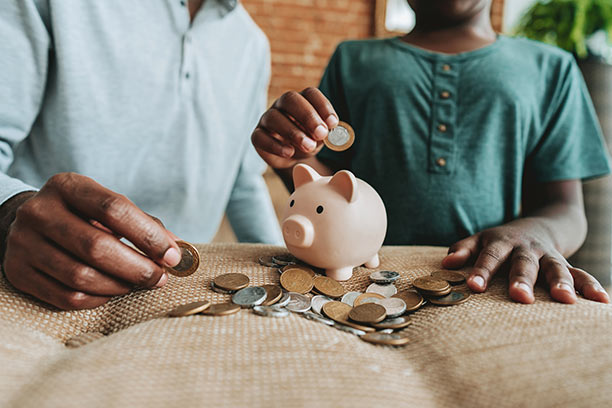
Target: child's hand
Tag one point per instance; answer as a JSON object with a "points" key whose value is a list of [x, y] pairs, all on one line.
{"points": [[294, 128], [526, 255]]}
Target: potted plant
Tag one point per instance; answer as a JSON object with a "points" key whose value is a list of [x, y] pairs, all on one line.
{"points": [[584, 28]]}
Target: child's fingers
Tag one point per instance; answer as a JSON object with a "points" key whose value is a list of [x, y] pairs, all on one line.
{"points": [[268, 145], [322, 105], [588, 286], [559, 278], [490, 259], [524, 267], [298, 107], [461, 252], [275, 121]]}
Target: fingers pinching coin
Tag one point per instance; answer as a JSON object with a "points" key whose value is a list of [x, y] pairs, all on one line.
{"points": [[340, 138], [189, 263]]}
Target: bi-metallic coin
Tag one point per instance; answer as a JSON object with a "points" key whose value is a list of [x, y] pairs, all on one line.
{"points": [[190, 260], [340, 138]]}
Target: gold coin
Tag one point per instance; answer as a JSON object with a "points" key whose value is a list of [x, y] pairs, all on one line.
{"points": [[430, 284], [454, 298], [222, 309], [452, 277], [387, 339], [231, 281], [190, 260], [357, 326], [328, 287], [368, 313], [337, 311], [274, 293], [429, 295], [394, 324], [296, 280], [340, 138], [296, 266], [412, 298], [189, 309], [359, 299]]}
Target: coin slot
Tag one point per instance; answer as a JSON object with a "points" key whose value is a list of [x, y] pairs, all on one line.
{"points": [[319, 209]]}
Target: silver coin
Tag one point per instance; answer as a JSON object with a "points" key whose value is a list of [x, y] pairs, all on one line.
{"points": [[298, 303], [284, 300], [271, 311], [317, 302], [385, 290], [339, 136], [284, 259], [317, 318], [395, 307], [349, 298], [267, 261], [384, 277], [385, 331], [369, 300], [219, 290], [250, 296], [349, 329]]}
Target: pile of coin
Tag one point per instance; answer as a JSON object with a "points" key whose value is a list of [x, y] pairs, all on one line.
{"points": [[374, 315]]}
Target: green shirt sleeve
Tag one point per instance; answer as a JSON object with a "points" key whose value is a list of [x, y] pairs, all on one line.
{"points": [[570, 145]]}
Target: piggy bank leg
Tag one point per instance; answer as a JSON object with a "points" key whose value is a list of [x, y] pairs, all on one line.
{"points": [[373, 263], [341, 274]]}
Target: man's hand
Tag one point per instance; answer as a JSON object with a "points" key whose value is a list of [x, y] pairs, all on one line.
{"points": [[64, 245], [526, 254]]}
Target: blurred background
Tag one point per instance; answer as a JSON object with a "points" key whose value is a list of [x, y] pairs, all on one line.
{"points": [[304, 33]]}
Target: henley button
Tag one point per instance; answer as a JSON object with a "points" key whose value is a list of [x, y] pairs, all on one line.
{"points": [[445, 94], [446, 67], [442, 127], [441, 161]]}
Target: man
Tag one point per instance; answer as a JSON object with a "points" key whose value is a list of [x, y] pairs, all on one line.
{"points": [[154, 102]]}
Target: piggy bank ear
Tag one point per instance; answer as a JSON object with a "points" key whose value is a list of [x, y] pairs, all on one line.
{"points": [[303, 174], [345, 183]]}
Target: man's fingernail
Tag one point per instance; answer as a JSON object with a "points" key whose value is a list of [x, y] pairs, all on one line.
{"points": [[162, 281], [321, 132], [479, 281], [565, 287], [308, 143], [332, 121], [524, 287], [172, 257]]}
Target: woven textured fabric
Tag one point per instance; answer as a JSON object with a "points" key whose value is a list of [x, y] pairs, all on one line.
{"points": [[486, 352]]}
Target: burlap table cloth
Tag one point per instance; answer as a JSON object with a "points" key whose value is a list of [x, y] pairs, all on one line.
{"points": [[488, 352]]}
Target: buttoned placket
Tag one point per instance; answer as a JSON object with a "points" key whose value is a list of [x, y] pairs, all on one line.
{"points": [[186, 66], [444, 116]]}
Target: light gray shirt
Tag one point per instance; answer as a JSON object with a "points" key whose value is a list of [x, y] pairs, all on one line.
{"points": [[144, 101]]}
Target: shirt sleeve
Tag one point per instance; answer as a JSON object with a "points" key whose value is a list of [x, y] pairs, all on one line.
{"points": [[250, 210], [24, 56], [571, 145]]}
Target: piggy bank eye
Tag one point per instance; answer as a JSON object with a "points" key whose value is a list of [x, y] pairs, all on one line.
{"points": [[291, 203], [319, 209]]}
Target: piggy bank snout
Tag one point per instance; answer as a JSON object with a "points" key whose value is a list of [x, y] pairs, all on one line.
{"points": [[298, 231]]}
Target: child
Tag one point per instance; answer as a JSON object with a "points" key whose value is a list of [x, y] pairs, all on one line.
{"points": [[473, 140]]}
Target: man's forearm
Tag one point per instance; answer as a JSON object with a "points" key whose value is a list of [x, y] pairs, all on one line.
{"points": [[287, 174]]}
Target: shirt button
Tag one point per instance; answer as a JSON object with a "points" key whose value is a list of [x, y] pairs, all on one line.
{"points": [[446, 67], [187, 75], [442, 127], [445, 94], [183, 2], [441, 161]]}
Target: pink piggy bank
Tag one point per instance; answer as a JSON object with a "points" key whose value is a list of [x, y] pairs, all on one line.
{"points": [[334, 223]]}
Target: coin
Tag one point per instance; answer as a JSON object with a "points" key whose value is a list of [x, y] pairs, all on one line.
{"points": [[384, 277], [328, 286], [340, 138], [222, 309], [394, 323], [430, 286], [283, 300], [412, 298], [271, 311], [284, 259], [349, 298], [454, 298], [336, 311], [298, 303], [189, 309], [296, 280], [317, 318], [317, 302], [349, 329], [249, 297], [231, 281], [386, 331], [267, 261], [273, 294], [357, 325], [218, 290], [189, 263], [368, 313], [388, 339], [394, 307], [296, 266], [362, 298], [385, 290], [452, 277]]}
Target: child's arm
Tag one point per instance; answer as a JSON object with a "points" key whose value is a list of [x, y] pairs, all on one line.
{"points": [[292, 131], [553, 228]]}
